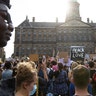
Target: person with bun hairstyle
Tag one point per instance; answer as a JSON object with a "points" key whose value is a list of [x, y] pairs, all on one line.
{"points": [[25, 79]]}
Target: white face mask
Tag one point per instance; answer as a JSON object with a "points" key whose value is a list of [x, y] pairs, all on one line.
{"points": [[34, 90], [49, 94]]}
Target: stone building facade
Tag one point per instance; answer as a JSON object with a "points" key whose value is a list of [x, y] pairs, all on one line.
{"points": [[2, 54], [46, 37]]}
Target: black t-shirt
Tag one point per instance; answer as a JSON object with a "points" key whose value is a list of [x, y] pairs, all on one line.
{"points": [[7, 87], [92, 72]]}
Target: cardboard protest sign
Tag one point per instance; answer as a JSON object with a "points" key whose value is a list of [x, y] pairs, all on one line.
{"points": [[63, 54], [77, 53], [34, 57], [93, 56]]}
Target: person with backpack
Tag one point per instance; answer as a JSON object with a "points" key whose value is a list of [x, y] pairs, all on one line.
{"points": [[60, 80], [93, 77]]}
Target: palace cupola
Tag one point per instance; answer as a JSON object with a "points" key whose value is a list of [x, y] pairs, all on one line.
{"points": [[73, 11]]}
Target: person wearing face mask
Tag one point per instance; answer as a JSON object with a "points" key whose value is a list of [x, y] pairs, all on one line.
{"points": [[33, 92], [25, 79]]}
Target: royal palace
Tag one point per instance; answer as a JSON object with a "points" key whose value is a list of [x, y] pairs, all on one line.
{"points": [[44, 37]]}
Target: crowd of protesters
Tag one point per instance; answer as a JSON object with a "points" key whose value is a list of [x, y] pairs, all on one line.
{"points": [[47, 77]]}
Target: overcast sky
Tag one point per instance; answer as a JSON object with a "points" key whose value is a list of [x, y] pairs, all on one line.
{"points": [[45, 11]]}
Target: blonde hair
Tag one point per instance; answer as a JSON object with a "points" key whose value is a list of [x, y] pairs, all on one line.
{"points": [[73, 65], [33, 64], [25, 73]]}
